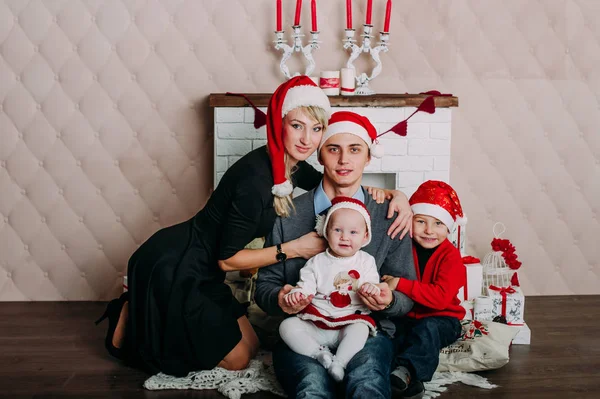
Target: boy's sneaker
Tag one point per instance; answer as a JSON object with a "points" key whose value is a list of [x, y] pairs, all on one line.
{"points": [[415, 390], [400, 378]]}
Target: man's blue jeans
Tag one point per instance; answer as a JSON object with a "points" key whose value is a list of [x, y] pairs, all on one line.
{"points": [[367, 374]]}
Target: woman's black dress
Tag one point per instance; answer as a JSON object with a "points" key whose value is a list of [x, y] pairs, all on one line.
{"points": [[182, 316]]}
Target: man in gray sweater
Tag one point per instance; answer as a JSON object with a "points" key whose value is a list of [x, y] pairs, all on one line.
{"points": [[344, 153]]}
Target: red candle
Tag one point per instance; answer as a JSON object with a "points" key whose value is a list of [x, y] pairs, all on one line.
{"points": [[298, 9], [369, 11], [278, 15], [348, 14], [313, 14], [388, 13]]}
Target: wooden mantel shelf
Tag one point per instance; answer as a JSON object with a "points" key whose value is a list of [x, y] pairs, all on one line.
{"points": [[377, 100]]}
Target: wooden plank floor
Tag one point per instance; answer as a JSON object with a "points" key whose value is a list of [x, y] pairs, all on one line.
{"points": [[54, 350]]}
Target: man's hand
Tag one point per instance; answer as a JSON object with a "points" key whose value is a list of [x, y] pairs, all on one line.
{"points": [[403, 223], [369, 289], [391, 281], [289, 308], [378, 302]]}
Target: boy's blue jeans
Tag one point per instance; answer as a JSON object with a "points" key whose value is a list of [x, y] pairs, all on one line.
{"points": [[367, 374], [417, 343]]}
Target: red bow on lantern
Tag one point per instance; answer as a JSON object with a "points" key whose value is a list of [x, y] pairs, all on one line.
{"points": [[504, 291]]}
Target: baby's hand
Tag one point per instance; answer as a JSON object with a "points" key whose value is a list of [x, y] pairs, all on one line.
{"points": [[293, 298], [368, 289], [391, 281]]}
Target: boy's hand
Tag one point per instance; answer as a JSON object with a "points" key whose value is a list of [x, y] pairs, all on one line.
{"points": [[292, 304], [368, 289], [391, 281]]}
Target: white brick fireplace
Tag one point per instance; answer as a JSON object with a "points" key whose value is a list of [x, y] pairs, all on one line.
{"points": [[422, 155]]}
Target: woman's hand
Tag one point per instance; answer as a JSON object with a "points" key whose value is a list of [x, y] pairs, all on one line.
{"points": [[379, 195], [403, 223], [306, 246], [391, 281]]}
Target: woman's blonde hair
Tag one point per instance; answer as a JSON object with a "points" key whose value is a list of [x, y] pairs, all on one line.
{"points": [[284, 205]]}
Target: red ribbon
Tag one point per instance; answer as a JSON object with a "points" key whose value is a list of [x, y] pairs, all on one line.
{"points": [[329, 83], [469, 260], [503, 292], [347, 90]]}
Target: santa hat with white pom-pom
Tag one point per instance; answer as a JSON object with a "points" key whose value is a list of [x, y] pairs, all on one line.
{"points": [[353, 123], [439, 200]]}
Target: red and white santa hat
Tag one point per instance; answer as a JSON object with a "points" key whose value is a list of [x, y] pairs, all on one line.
{"points": [[342, 202], [439, 200], [353, 123], [299, 91]]}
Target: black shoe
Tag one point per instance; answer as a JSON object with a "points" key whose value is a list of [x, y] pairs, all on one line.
{"points": [[113, 312], [415, 390]]}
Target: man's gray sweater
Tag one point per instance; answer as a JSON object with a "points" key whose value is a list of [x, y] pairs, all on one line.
{"points": [[393, 256]]}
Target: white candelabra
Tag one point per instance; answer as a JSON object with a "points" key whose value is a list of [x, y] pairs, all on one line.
{"points": [[362, 80], [296, 47]]}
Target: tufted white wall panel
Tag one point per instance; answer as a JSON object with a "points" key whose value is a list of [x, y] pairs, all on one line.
{"points": [[105, 129]]}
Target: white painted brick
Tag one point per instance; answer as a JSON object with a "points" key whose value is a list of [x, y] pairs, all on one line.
{"points": [[382, 115], [440, 115], [228, 114], [407, 163], [234, 147], [443, 175], [441, 163], [428, 147], [222, 164], [249, 114], [439, 131], [394, 146], [218, 179], [417, 130], [236, 131], [374, 165], [258, 143], [408, 190], [405, 179], [233, 159]]}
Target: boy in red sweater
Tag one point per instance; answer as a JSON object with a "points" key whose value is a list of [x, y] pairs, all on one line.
{"points": [[434, 321]]}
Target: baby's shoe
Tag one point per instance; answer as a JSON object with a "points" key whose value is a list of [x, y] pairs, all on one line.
{"points": [[324, 357], [336, 371]]}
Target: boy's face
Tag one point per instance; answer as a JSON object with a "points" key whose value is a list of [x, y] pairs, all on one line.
{"points": [[344, 157], [346, 232], [428, 231]]}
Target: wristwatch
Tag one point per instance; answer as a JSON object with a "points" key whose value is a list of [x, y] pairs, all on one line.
{"points": [[281, 256], [389, 305]]}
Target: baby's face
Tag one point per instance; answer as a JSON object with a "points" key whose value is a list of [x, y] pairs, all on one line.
{"points": [[346, 232]]}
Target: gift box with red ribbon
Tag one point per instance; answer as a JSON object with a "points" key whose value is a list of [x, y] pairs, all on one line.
{"points": [[474, 285], [508, 302]]}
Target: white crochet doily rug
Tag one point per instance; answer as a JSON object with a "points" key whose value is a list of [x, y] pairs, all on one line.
{"points": [[260, 376]]}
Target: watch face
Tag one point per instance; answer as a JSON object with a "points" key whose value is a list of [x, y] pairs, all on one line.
{"points": [[281, 257]]}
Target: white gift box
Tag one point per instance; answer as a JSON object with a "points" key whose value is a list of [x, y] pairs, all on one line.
{"points": [[474, 282], [523, 337], [468, 305], [514, 303], [458, 238]]}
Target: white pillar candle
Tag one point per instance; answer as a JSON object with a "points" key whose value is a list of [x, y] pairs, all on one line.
{"points": [[330, 82], [348, 81], [482, 308]]}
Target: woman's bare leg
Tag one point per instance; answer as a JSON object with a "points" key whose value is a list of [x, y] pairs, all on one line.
{"points": [[244, 351], [120, 330]]}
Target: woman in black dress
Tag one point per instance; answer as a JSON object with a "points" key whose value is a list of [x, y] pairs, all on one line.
{"points": [[179, 315]]}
